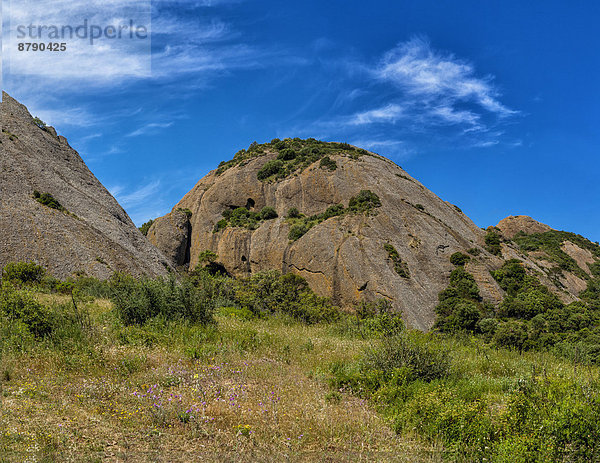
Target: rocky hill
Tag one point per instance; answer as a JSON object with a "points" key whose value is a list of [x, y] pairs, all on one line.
{"points": [[566, 261], [53, 210], [353, 223]]}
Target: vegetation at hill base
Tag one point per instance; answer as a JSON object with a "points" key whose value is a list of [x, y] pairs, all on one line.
{"points": [[262, 369], [293, 156]]}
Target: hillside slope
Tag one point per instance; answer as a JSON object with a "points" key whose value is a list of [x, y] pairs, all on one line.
{"points": [[84, 229]]}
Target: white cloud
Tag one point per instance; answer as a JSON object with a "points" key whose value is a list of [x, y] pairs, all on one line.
{"points": [[414, 94], [178, 45], [390, 113], [419, 71], [150, 128]]}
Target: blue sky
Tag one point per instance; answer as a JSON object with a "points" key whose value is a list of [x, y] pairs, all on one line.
{"points": [[492, 105]]}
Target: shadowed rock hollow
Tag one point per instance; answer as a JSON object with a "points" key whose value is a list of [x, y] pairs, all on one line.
{"points": [[81, 228], [398, 251]]}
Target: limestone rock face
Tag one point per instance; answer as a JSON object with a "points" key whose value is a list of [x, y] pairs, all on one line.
{"points": [[93, 234], [512, 225], [343, 257]]}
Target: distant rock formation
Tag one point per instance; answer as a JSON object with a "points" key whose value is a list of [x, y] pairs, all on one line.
{"points": [[74, 225], [512, 225]]}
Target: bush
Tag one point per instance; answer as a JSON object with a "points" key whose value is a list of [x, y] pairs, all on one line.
{"points": [[393, 363], [146, 227], [40, 123], [137, 301], [271, 168], [48, 200], [423, 359], [399, 267], [220, 225], [492, 242], [287, 154], [365, 201], [511, 334], [268, 213], [298, 231], [293, 213], [376, 319], [23, 273], [511, 276], [21, 306], [328, 163], [270, 292], [460, 307], [188, 213], [459, 259]]}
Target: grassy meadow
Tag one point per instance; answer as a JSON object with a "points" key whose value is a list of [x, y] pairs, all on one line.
{"points": [[148, 371]]}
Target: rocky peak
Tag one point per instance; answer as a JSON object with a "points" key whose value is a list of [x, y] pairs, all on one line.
{"points": [[55, 212], [512, 225], [351, 222]]}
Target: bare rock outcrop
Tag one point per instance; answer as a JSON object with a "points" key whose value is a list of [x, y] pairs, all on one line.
{"points": [[90, 233], [512, 225], [343, 257], [171, 234]]}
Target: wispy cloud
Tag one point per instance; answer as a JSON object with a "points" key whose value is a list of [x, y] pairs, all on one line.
{"points": [[136, 197], [177, 44], [438, 77], [414, 94], [390, 113], [437, 86], [153, 127]]}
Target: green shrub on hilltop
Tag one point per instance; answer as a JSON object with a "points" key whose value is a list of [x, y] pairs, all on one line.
{"points": [[293, 156], [270, 169], [328, 163]]}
